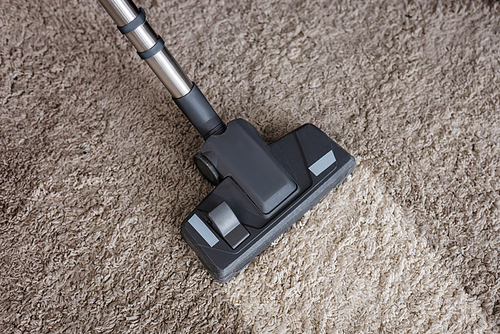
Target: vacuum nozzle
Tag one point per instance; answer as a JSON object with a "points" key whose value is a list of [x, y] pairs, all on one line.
{"points": [[261, 191]]}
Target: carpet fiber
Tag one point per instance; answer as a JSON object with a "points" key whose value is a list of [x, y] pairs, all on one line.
{"points": [[96, 170]]}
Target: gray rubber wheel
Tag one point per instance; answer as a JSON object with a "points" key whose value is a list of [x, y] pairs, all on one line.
{"points": [[207, 169]]}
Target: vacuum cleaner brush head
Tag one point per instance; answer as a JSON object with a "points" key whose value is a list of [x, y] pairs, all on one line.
{"points": [[264, 190]]}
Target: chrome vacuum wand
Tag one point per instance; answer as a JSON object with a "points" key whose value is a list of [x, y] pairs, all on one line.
{"points": [[132, 22]]}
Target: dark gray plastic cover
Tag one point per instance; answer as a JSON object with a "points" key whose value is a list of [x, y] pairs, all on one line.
{"points": [[241, 153]]}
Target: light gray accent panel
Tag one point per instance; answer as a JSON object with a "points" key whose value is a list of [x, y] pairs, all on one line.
{"points": [[323, 163], [203, 230]]}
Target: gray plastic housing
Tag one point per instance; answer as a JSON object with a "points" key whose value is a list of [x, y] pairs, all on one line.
{"points": [[315, 163], [242, 154]]}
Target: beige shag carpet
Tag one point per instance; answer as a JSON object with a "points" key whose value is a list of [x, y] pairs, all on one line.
{"points": [[96, 171]]}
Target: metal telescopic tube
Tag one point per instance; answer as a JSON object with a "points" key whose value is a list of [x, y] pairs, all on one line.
{"points": [[144, 38], [150, 47]]}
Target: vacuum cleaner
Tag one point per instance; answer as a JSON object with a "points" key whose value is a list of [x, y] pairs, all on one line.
{"points": [[260, 189]]}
